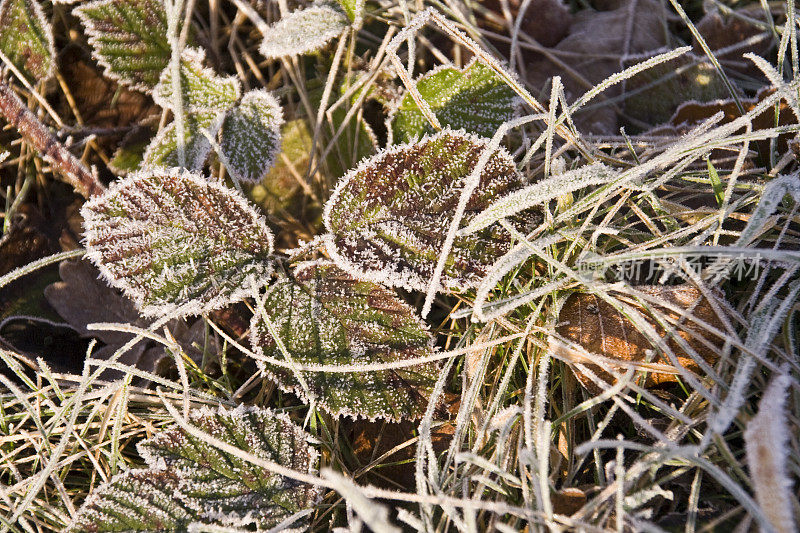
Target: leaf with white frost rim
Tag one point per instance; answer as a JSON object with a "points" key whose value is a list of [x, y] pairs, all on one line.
{"points": [[250, 137], [175, 242], [26, 37], [304, 30], [474, 98], [190, 481], [542, 192], [389, 217], [163, 149], [202, 88], [129, 38], [325, 317]]}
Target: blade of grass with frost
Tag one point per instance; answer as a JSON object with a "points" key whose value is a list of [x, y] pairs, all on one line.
{"points": [[26, 38], [304, 30], [542, 192], [771, 198], [767, 445], [375, 515], [177, 243]]}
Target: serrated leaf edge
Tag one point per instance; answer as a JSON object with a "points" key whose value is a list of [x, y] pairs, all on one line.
{"points": [[138, 297], [410, 281]]}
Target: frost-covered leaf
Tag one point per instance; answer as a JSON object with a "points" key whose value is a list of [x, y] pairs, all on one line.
{"points": [[191, 482], [202, 88], [304, 30], [226, 489], [129, 38], [163, 149], [388, 218], [543, 191], [324, 316], [473, 98], [251, 135], [175, 242], [26, 37]]}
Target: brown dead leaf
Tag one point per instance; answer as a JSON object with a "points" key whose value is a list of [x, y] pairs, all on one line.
{"points": [[595, 47], [373, 439], [568, 501], [546, 21], [599, 328]]}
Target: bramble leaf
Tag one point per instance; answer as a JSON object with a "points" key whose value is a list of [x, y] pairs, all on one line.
{"points": [[190, 481], [203, 90], [129, 38], [175, 242], [250, 138], [26, 37], [304, 30], [473, 98], [389, 217], [324, 316], [163, 149]]}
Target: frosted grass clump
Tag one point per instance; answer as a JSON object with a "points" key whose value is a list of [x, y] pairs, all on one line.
{"points": [[304, 30], [175, 242], [389, 217]]}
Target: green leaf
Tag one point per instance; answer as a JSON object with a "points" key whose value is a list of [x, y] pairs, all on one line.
{"points": [[250, 138], [203, 90], [191, 482], [129, 38], [175, 242], [716, 183], [163, 149], [324, 316], [473, 98], [26, 37], [389, 217], [304, 30], [354, 10]]}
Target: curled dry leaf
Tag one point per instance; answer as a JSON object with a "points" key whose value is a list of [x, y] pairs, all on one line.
{"points": [[389, 217], [324, 316], [599, 328], [175, 242], [192, 482]]}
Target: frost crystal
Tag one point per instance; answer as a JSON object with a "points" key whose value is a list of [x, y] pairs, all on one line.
{"points": [[202, 89], [129, 38], [304, 30], [163, 149], [250, 138], [389, 217], [175, 242], [324, 316], [473, 98], [189, 481], [26, 37]]}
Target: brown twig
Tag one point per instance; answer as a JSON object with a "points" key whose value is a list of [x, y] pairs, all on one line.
{"points": [[40, 137]]}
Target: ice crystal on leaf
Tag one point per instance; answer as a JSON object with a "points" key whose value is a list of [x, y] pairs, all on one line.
{"points": [[189, 481], [389, 217], [26, 37], [250, 138], [304, 30], [325, 317], [202, 88], [174, 242], [473, 98], [129, 38], [163, 149]]}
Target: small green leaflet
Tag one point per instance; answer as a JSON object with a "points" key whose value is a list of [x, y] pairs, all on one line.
{"points": [[473, 98], [26, 38], [304, 30], [191, 482], [177, 243], [163, 149], [354, 10], [250, 137], [325, 317], [129, 38], [389, 217], [203, 90]]}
